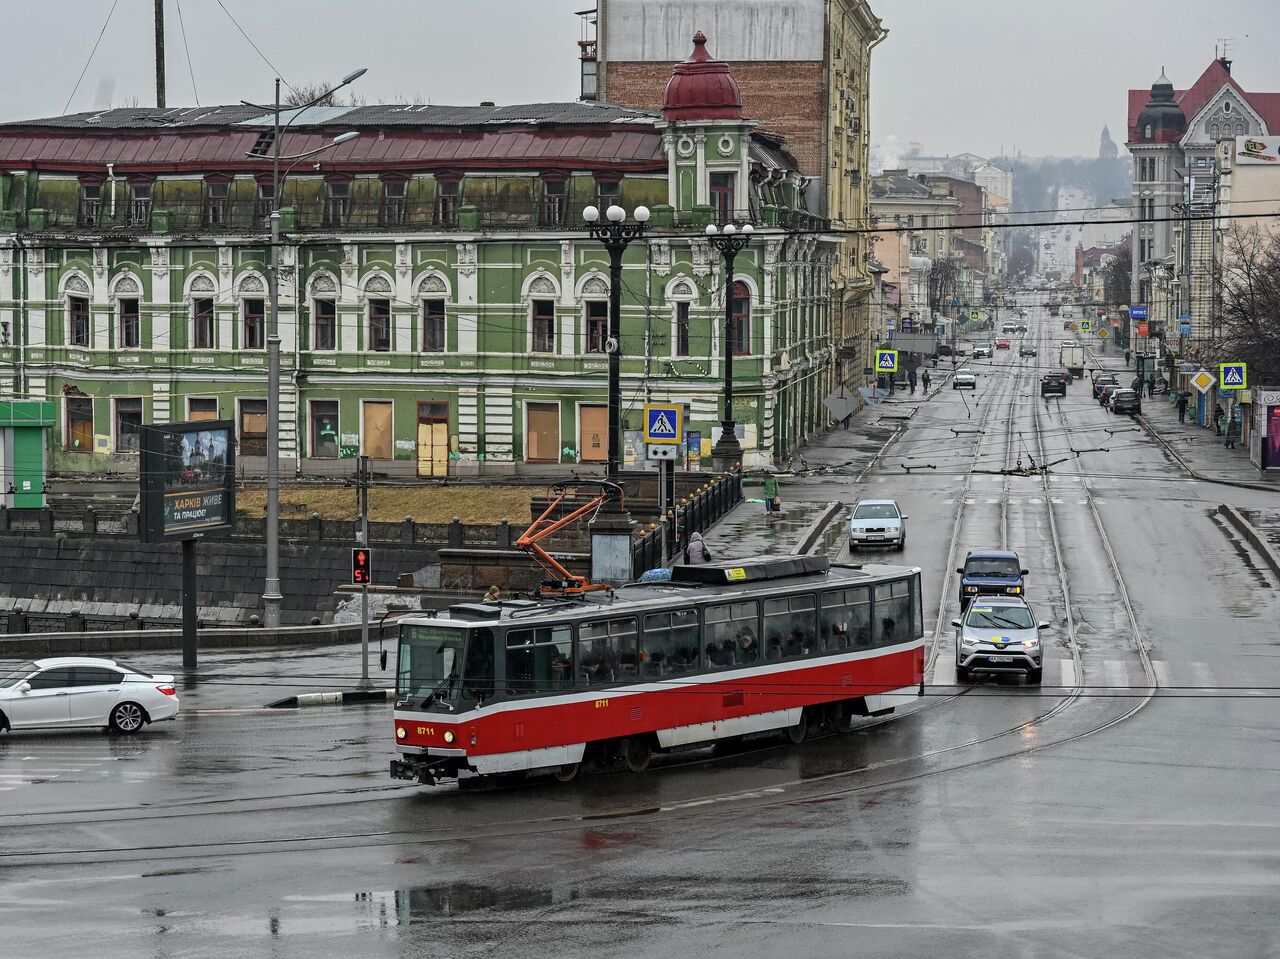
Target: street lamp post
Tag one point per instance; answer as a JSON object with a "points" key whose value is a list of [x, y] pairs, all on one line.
{"points": [[271, 595], [616, 234], [729, 240]]}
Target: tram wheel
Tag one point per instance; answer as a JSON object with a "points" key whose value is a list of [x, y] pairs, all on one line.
{"points": [[637, 753], [567, 773], [800, 731]]}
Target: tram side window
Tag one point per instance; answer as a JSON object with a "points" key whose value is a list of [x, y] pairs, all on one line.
{"points": [[607, 652], [846, 619], [539, 660], [731, 635], [788, 627], [893, 613], [670, 644]]}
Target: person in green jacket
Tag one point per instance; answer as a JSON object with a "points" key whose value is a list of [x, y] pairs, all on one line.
{"points": [[770, 494]]}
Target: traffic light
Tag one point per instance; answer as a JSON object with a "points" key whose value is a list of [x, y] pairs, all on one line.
{"points": [[361, 566]]}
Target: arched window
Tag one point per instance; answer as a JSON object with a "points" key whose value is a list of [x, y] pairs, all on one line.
{"points": [[1146, 133], [740, 319], [1215, 131]]}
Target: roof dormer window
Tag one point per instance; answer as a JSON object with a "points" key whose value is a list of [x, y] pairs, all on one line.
{"points": [[1146, 132]]}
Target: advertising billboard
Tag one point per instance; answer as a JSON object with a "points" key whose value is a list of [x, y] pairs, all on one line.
{"points": [[187, 480], [1262, 151]]}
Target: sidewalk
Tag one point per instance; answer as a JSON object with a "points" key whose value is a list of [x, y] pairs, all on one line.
{"points": [[1198, 448]]}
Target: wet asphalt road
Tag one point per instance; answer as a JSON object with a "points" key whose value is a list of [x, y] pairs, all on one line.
{"points": [[1124, 809]]}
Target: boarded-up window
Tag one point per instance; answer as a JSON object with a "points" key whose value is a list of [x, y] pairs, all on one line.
{"points": [[542, 437], [79, 424], [253, 427], [377, 437], [202, 408]]}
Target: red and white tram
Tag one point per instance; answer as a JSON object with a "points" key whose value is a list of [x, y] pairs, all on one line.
{"points": [[721, 651]]}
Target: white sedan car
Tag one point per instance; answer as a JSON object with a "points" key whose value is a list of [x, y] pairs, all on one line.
{"points": [[877, 522], [76, 691], [964, 379]]}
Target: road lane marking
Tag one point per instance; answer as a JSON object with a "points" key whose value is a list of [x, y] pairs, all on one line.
{"points": [[1161, 668], [1114, 670]]}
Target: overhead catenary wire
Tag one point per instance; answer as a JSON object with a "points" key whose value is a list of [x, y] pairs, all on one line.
{"points": [[89, 60]]}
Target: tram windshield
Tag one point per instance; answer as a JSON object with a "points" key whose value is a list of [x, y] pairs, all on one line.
{"points": [[444, 664]]}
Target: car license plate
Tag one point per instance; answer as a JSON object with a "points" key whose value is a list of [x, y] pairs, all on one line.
{"points": [[999, 659], [874, 536]]}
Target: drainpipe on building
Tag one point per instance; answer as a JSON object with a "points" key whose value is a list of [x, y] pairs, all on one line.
{"points": [[17, 335]]}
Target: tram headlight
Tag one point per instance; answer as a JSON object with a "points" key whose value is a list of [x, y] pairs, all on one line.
{"points": [[448, 735], [401, 732]]}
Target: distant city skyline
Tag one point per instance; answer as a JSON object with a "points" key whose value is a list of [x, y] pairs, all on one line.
{"points": [[973, 77]]}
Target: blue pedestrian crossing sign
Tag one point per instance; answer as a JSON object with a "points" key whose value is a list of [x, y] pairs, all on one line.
{"points": [[886, 361], [1233, 376], [1086, 326], [663, 424]]}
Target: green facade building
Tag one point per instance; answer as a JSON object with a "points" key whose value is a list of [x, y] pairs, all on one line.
{"points": [[442, 307]]}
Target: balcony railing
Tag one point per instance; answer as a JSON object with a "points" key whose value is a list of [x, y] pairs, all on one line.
{"points": [[354, 216]]}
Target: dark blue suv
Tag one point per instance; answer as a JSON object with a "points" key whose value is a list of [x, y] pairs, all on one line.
{"points": [[990, 571]]}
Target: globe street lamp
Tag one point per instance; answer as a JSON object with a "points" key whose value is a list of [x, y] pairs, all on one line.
{"points": [[271, 595], [729, 240], [616, 234]]}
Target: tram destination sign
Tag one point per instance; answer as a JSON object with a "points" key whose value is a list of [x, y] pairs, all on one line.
{"points": [[187, 480]]}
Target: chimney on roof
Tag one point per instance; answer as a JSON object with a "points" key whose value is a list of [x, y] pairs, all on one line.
{"points": [[487, 103]]}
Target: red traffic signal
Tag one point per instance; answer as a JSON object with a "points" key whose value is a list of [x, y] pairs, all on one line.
{"points": [[361, 566]]}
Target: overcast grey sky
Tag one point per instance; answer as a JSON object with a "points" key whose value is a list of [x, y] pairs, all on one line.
{"points": [[956, 75]]}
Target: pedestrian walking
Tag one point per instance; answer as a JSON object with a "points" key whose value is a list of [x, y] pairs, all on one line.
{"points": [[1136, 385], [1128, 354], [1182, 406], [1218, 417], [847, 420], [911, 380], [770, 494], [1229, 433], [1151, 388], [926, 380], [696, 552]]}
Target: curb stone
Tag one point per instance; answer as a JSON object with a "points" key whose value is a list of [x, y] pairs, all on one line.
{"points": [[338, 696], [1250, 532]]}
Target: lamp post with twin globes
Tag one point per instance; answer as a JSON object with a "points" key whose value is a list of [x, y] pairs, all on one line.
{"points": [[616, 233], [729, 240]]}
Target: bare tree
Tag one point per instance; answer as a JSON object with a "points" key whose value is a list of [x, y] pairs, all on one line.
{"points": [[1251, 299], [306, 92]]}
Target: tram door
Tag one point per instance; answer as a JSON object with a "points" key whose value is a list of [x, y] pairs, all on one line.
{"points": [[593, 430], [433, 439]]}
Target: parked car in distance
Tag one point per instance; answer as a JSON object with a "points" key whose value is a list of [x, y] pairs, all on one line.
{"points": [[1101, 380], [877, 522], [1002, 344], [1022, 327], [999, 634], [990, 571], [1126, 401], [1104, 395], [964, 379], [1009, 328], [81, 691], [1055, 381], [1026, 349]]}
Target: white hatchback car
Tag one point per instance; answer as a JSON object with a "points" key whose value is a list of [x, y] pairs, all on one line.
{"points": [[964, 379], [877, 522], [77, 691]]}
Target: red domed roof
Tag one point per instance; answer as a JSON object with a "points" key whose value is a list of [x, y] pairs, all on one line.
{"points": [[701, 88]]}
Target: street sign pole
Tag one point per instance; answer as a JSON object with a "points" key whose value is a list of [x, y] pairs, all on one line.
{"points": [[189, 643], [365, 682]]}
